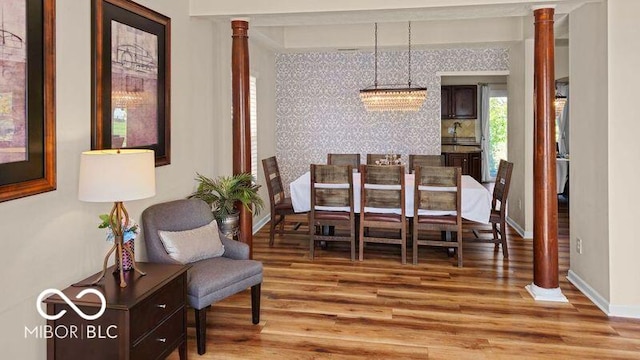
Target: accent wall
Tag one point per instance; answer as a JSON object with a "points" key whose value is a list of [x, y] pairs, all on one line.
{"points": [[318, 109]]}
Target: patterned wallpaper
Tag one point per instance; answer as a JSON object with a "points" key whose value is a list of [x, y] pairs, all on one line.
{"points": [[318, 109]]}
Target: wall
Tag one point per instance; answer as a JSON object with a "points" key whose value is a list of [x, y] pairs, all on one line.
{"points": [[263, 67], [319, 110], [589, 147], [624, 152], [520, 138], [561, 61], [443, 32], [51, 240]]}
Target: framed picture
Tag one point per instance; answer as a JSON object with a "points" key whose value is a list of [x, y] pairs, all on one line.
{"points": [[131, 78], [27, 98]]}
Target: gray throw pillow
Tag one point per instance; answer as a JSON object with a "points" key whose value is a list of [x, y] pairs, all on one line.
{"points": [[192, 245]]}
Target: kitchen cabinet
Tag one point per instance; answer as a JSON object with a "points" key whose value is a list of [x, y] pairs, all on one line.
{"points": [[475, 166], [469, 162], [459, 102]]}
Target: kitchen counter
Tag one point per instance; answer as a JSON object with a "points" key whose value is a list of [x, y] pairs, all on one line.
{"points": [[460, 149]]}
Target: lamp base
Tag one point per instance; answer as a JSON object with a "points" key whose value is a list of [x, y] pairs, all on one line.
{"points": [[117, 246]]}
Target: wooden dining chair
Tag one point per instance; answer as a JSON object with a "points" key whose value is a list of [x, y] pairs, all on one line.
{"points": [[499, 209], [344, 159], [280, 205], [382, 205], [437, 189], [332, 205], [372, 158], [425, 160]]}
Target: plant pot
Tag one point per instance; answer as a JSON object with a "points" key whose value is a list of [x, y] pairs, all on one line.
{"points": [[230, 225]]}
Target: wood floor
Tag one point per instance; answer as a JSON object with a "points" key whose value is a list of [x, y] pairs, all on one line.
{"points": [[332, 308]]}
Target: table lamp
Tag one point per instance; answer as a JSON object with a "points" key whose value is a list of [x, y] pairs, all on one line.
{"points": [[117, 176]]}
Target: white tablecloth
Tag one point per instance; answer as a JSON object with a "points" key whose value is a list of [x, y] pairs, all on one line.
{"points": [[476, 199]]}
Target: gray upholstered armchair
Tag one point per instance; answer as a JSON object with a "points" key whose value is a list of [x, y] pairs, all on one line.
{"points": [[209, 280]]}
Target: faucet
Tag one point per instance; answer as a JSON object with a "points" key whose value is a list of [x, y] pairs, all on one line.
{"points": [[456, 125]]}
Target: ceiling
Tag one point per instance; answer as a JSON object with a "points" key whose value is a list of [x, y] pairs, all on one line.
{"points": [[300, 25], [271, 17]]}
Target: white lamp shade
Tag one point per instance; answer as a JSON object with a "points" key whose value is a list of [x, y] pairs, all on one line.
{"points": [[117, 175]]}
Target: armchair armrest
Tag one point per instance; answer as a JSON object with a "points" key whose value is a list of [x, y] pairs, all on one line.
{"points": [[234, 249]]}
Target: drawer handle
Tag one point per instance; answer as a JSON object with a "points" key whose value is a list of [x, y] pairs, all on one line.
{"points": [[161, 306], [162, 340]]}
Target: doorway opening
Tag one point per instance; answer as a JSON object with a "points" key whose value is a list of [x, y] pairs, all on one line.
{"points": [[497, 132], [494, 105]]}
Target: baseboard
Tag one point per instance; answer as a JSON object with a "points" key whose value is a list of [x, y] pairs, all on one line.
{"points": [[625, 311], [257, 225], [519, 229], [589, 292]]}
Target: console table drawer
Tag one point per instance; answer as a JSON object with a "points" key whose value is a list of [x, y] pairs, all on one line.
{"points": [[152, 311], [133, 326], [160, 340]]}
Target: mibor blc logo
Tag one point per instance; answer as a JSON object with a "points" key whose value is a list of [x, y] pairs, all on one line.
{"points": [[73, 306], [73, 331]]}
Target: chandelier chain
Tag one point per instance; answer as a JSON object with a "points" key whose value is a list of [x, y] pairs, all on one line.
{"points": [[392, 97], [375, 83], [409, 54]]}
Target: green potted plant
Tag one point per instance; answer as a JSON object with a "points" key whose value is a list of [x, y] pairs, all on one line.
{"points": [[223, 192]]}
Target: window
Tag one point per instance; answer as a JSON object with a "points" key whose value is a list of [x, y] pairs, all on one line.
{"points": [[497, 131], [253, 115]]}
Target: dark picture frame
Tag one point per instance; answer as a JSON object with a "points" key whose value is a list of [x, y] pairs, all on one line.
{"points": [[131, 72], [35, 171]]}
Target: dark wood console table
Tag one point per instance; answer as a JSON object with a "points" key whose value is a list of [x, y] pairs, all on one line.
{"points": [[145, 320]]}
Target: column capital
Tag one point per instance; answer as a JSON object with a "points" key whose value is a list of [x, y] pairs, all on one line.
{"points": [[540, 7]]}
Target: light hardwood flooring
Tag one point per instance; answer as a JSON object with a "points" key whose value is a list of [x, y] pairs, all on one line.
{"points": [[333, 308]]}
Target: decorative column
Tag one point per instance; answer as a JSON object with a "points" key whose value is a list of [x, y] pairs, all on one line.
{"points": [[545, 200], [241, 121]]}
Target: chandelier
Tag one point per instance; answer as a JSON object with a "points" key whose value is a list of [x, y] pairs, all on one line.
{"points": [[392, 97], [559, 103]]}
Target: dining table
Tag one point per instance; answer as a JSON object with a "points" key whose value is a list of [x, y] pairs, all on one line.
{"points": [[476, 199]]}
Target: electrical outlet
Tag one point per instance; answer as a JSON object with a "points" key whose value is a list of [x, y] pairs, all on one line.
{"points": [[519, 204], [579, 245]]}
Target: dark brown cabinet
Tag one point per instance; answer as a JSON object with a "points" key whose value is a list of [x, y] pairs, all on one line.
{"points": [[459, 101], [469, 162], [145, 320], [475, 166]]}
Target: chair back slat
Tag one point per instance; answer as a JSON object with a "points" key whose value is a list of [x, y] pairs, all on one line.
{"points": [[332, 175], [383, 186], [425, 160], [436, 176], [384, 174], [273, 179], [503, 181], [437, 188], [383, 198], [332, 197], [438, 200], [344, 159]]}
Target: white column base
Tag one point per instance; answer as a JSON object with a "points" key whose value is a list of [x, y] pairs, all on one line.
{"points": [[542, 294]]}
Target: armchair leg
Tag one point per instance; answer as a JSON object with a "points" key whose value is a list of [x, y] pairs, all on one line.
{"points": [[201, 329], [255, 304]]}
